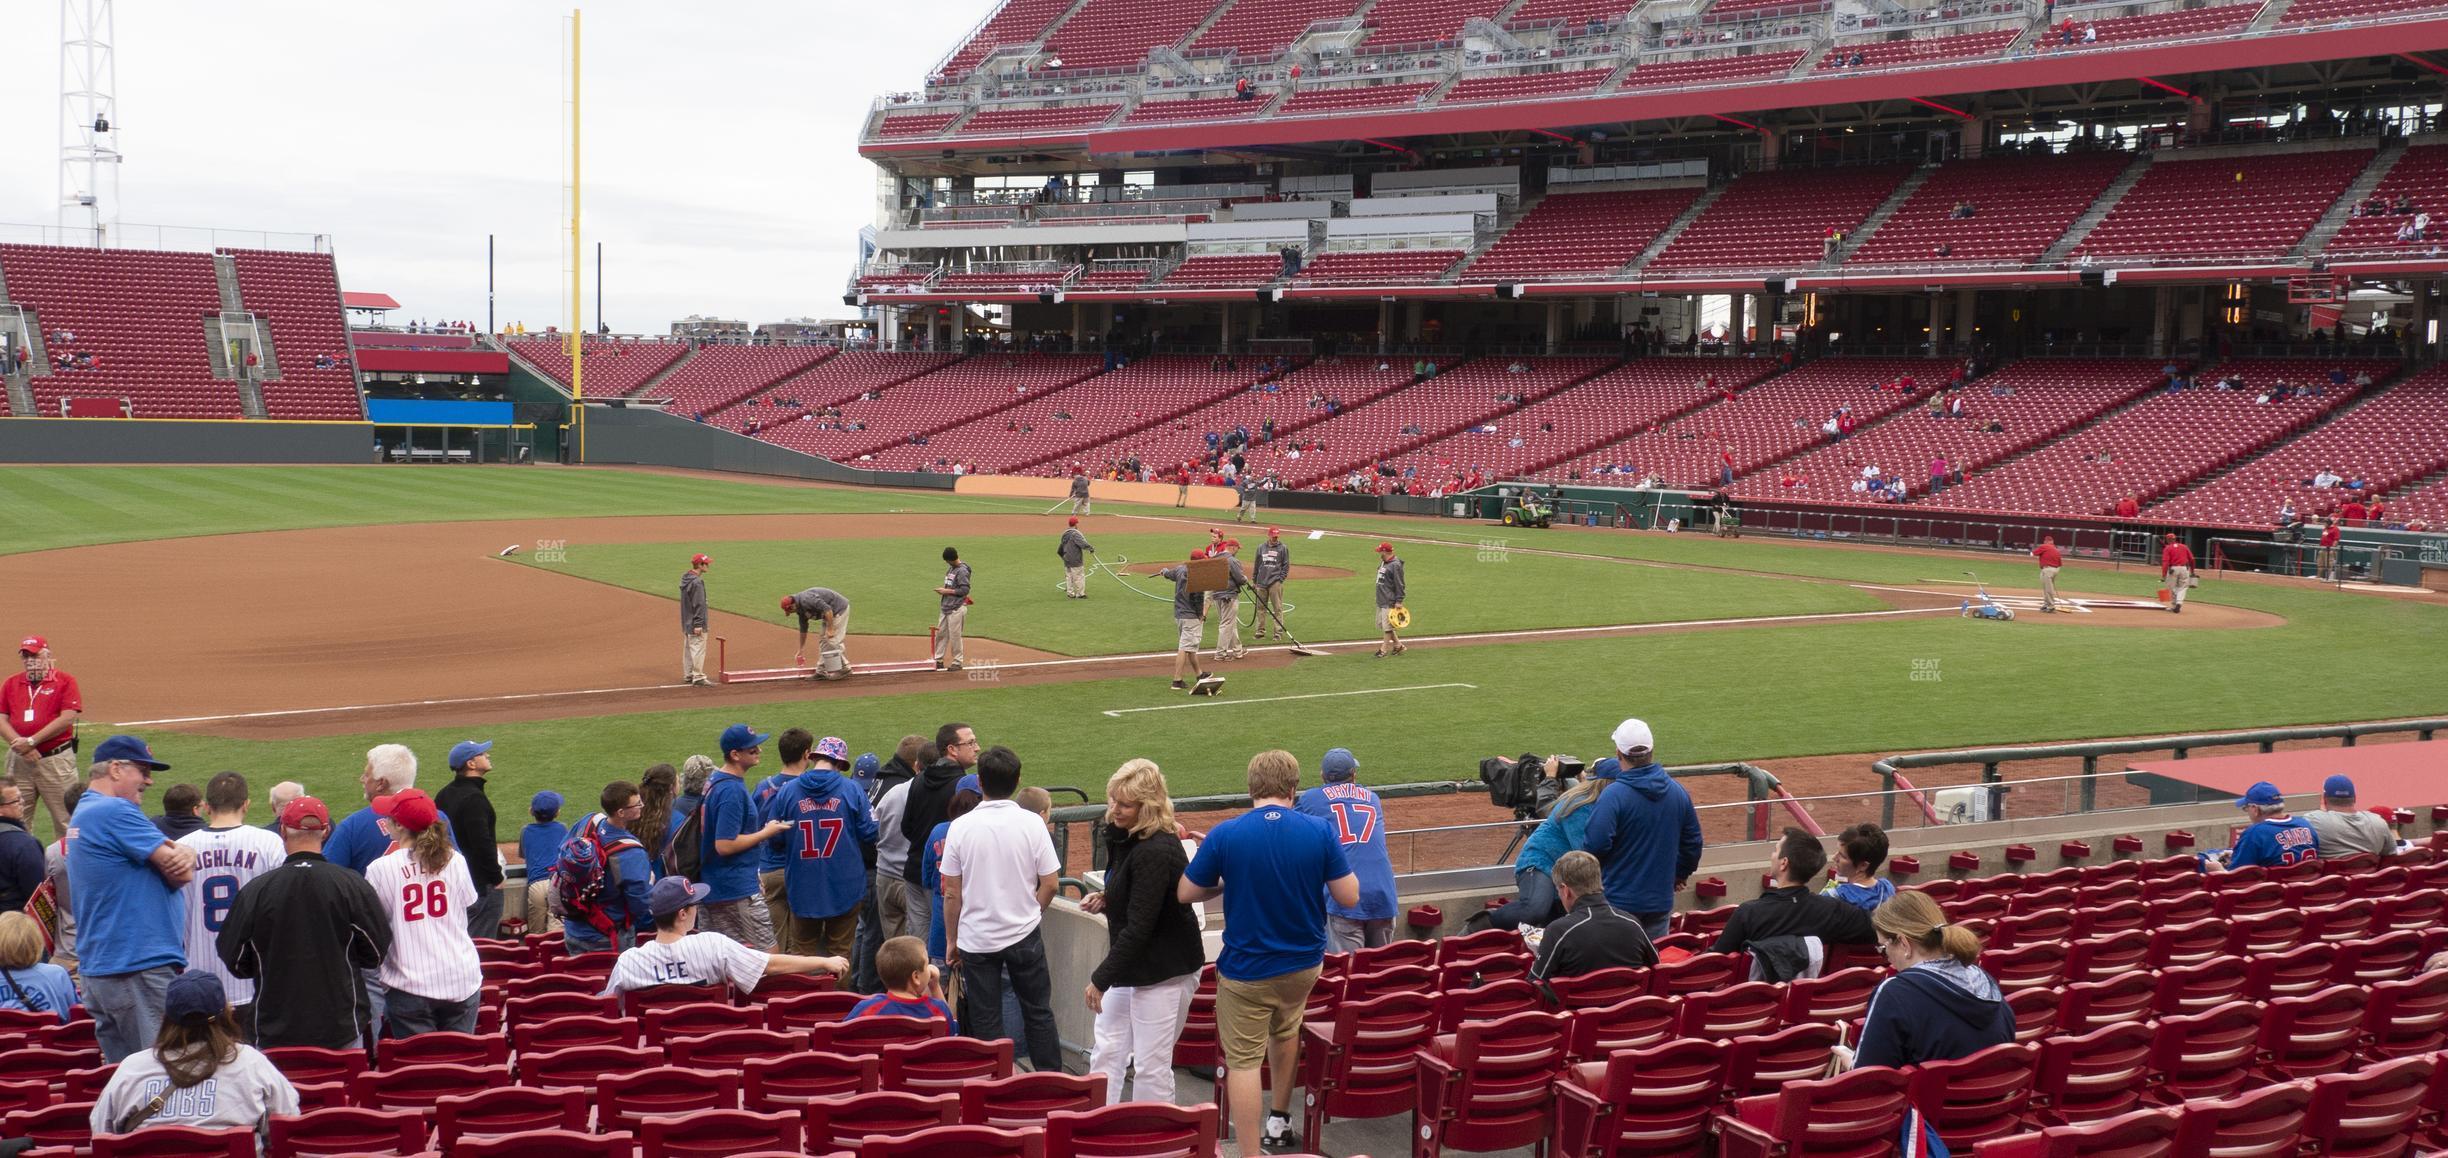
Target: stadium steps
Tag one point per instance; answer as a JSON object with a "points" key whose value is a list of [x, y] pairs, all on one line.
{"points": [[251, 399], [268, 360], [1809, 64], [2281, 443], [1675, 229], [1592, 446], [1630, 60], [225, 274], [2098, 212], [2326, 229], [2271, 13], [1878, 217], [945, 423], [2416, 486], [1429, 435], [1504, 225], [667, 372], [216, 347], [21, 395], [1213, 15]]}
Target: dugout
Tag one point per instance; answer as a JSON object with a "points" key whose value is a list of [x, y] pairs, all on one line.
{"points": [[439, 432], [1639, 509]]}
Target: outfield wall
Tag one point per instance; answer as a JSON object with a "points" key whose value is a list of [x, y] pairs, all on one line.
{"points": [[644, 436], [170, 440]]}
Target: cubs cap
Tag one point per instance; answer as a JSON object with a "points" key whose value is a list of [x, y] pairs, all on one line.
{"points": [[32, 645], [1606, 769], [672, 894], [412, 810], [466, 750], [2338, 787], [194, 996], [129, 748], [867, 766], [305, 814], [700, 560], [1633, 736], [834, 749], [547, 802], [1338, 765], [970, 783], [2262, 795], [739, 736]]}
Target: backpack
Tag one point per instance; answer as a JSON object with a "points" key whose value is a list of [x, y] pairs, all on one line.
{"points": [[586, 876], [682, 856]]}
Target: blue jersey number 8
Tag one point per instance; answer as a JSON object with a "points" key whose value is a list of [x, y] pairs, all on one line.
{"points": [[220, 893]]}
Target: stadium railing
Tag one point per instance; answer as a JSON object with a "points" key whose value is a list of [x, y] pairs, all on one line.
{"points": [[176, 238]]}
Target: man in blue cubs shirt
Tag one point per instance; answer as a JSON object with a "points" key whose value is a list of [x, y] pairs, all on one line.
{"points": [[1280, 867], [2273, 838], [123, 885], [728, 848], [824, 863], [1357, 817]]}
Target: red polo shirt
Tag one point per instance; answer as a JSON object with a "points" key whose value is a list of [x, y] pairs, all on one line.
{"points": [[2127, 508], [31, 708], [2048, 555], [2353, 513], [2329, 535], [2174, 555]]}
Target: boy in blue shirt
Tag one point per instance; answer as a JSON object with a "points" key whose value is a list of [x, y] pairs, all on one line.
{"points": [[1357, 817], [728, 852], [540, 849], [1860, 850], [2273, 838], [824, 864], [912, 987]]}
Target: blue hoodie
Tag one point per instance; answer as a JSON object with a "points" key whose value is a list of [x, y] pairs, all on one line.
{"points": [[1561, 832], [1646, 836], [824, 863], [1935, 1011]]}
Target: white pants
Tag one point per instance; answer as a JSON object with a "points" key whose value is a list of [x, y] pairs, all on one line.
{"points": [[692, 656], [1080, 505], [2178, 579], [1075, 581], [1139, 1025]]}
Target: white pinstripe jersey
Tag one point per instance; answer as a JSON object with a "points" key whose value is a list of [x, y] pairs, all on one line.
{"points": [[432, 955], [226, 859]]}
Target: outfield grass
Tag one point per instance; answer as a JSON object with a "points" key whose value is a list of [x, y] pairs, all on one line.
{"points": [[45, 507], [1017, 584]]}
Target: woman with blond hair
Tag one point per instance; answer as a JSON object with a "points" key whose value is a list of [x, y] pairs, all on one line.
{"points": [[432, 978], [28, 982], [1140, 993], [1939, 1005]]}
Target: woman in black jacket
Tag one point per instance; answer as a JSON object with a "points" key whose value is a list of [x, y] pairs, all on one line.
{"points": [[1140, 993]]}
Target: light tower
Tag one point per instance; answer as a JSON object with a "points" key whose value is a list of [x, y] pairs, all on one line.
{"points": [[88, 119]]}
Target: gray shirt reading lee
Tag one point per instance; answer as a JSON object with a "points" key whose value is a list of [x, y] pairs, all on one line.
{"points": [[1187, 604], [832, 602], [958, 580], [692, 601], [1389, 582]]}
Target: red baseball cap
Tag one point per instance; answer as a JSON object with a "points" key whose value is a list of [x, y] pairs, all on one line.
{"points": [[1385, 547], [412, 810], [306, 814], [32, 645], [1075, 520], [701, 561], [1274, 531], [1198, 554]]}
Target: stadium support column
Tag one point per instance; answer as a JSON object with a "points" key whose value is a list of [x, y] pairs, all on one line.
{"points": [[1555, 325], [1079, 325], [2418, 328], [1385, 326], [1966, 320], [1413, 311], [1224, 328], [2163, 313]]}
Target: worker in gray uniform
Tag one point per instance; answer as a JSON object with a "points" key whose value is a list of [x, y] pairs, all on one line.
{"points": [[1390, 592], [1189, 620], [831, 610], [1074, 550], [693, 622], [1267, 580], [1079, 494], [1227, 603]]}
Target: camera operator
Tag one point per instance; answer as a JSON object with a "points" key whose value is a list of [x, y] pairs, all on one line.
{"points": [[1644, 832], [1535, 901]]}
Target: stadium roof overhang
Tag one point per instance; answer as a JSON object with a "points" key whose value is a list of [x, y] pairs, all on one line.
{"points": [[2270, 48]]}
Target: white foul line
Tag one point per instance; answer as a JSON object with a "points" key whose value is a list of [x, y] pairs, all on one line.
{"points": [[1117, 712]]}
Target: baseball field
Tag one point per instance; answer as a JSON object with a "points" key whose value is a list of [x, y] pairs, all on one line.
{"points": [[281, 620]]}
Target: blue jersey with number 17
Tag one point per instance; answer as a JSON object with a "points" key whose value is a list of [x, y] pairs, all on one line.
{"points": [[1357, 817], [226, 859]]}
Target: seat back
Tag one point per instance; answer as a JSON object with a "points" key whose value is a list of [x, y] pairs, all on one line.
{"points": [[1133, 1130], [2092, 1004], [306, 1063], [2290, 972], [1634, 1023], [2266, 1123], [1840, 996], [1981, 1096], [1699, 973], [1486, 1003], [2314, 1034], [2105, 955], [943, 1064], [1390, 980], [2390, 956], [1856, 1113], [636, 1002], [508, 1110], [2093, 1076], [518, 1010], [1021, 1099], [1598, 988], [2372, 1111], [779, 1082], [1508, 1065], [176, 1142], [2037, 1012], [419, 1087], [549, 1144], [871, 1034], [729, 1049], [557, 1033], [1663, 1095], [2140, 1134], [1469, 947], [1745, 1010], [579, 1067], [664, 1091], [718, 1134], [454, 1049], [1762, 1064], [961, 1142], [799, 1012], [2207, 1054], [2408, 1017], [841, 1122], [667, 1023], [2265, 932], [347, 1130], [2039, 963], [2201, 987]]}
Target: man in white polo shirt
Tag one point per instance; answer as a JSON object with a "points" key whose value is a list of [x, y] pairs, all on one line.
{"points": [[999, 870]]}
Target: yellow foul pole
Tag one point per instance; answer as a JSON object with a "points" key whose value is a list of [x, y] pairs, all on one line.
{"points": [[577, 332]]}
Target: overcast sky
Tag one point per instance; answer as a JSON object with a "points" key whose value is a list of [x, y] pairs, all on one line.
{"points": [[721, 168]]}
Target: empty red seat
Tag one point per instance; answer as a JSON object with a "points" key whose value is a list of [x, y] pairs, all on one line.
{"points": [[1656, 1100], [1020, 1099], [347, 1130], [842, 1122], [176, 1142], [718, 1134], [507, 1110], [1975, 1098], [1860, 1112], [1133, 1130], [1490, 1084], [1363, 1062]]}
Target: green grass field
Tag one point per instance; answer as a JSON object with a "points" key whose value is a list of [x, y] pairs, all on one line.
{"points": [[1756, 693]]}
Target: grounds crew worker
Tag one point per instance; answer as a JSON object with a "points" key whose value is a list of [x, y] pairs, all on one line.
{"points": [[1189, 617], [1390, 593], [693, 621], [1079, 493], [953, 609], [38, 715], [2176, 569], [1227, 603], [1274, 566], [2051, 559], [832, 609], [1074, 549]]}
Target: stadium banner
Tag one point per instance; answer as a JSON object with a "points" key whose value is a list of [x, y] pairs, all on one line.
{"points": [[1203, 498], [429, 412], [199, 440]]}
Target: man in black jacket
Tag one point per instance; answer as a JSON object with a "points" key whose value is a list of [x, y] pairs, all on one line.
{"points": [[930, 795], [463, 803], [1791, 909], [21, 856], [1591, 935], [304, 933]]}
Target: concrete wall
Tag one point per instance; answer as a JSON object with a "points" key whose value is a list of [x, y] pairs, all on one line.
{"points": [[140, 440], [643, 436]]}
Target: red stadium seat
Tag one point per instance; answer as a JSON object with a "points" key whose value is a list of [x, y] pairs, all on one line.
{"points": [[638, 1002], [1979, 1097], [2090, 1005], [347, 1130], [1486, 1003], [943, 1064], [626, 1100], [24, 1095], [550, 1144], [1749, 1009], [1598, 988], [585, 1029], [508, 1110], [1636, 1023], [961, 1142], [1858, 1112], [1133, 1130], [1840, 996], [668, 1023], [1640, 1101], [2264, 1123], [869, 1034], [1490, 1084], [2404, 1018], [803, 1011], [2205, 1055], [419, 1087], [176, 1142], [2371, 1113], [779, 1083], [2312, 1035], [1016, 1101], [1756, 1065], [34, 1063], [730, 1049], [841, 1122], [718, 1134], [67, 1124], [1364, 1061], [305, 1063], [2201, 988], [2094, 1076], [461, 1049], [2141, 1134]]}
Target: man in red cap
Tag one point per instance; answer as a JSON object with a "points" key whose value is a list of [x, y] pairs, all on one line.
{"points": [[1074, 550], [2175, 570], [1079, 494], [1390, 592], [38, 714], [693, 622]]}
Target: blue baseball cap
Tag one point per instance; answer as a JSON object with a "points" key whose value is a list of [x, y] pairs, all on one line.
{"points": [[547, 802], [2338, 787], [1606, 769], [193, 995], [466, 750], [2262, 795], [672, 894], [739, 736], [1338, 764], [969, 783], [868, 766], [129, 748]]}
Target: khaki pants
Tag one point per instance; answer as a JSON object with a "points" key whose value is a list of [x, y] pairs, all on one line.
{"points": [[51, 777], [2048, 589], [819, 936], [948, 637], [540, 917], [1270, 608], [830, 654], [771, 888], [1249, 509], [2178, 578], [1079, 506], [1249, 1014], [1075, 581], [1228, 624], [692, 656], [892, 906]]}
